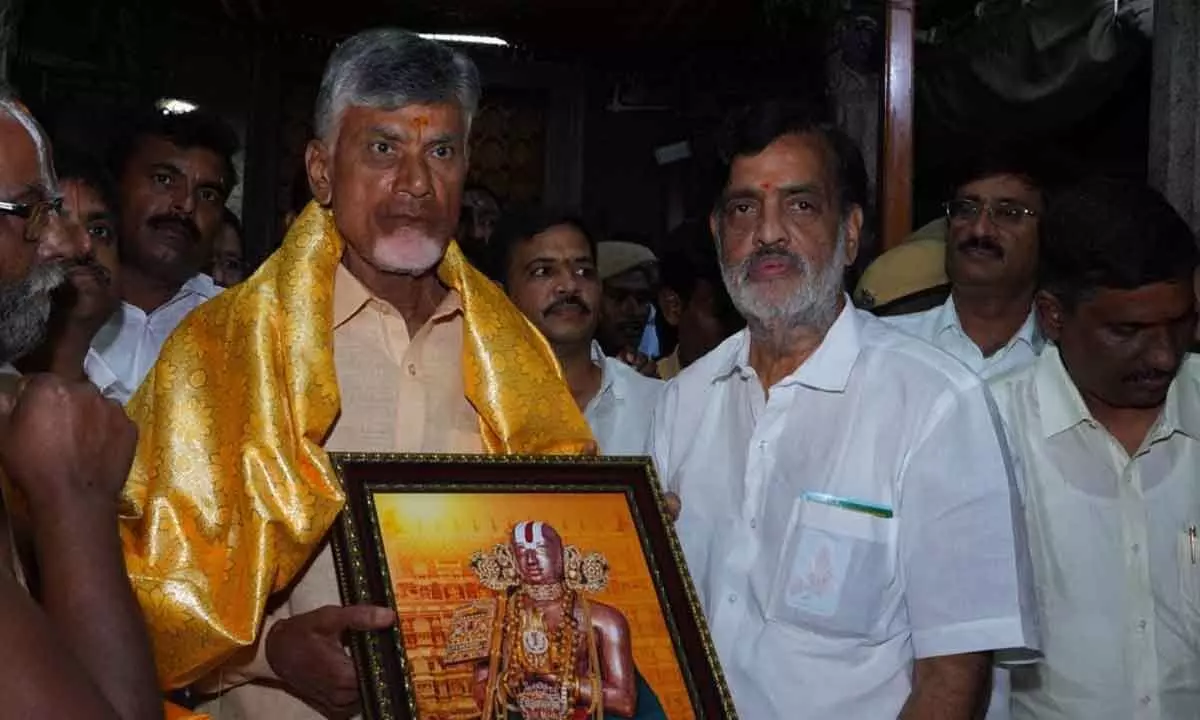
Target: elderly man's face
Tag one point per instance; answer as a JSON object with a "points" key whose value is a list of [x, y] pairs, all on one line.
{"points": [[394, 180], [34, 250], [784, 242]]}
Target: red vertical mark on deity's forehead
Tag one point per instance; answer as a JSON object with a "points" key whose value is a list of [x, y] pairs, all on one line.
{"points": [[529, 533]]}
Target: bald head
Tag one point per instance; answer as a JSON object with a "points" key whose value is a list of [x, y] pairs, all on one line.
{"points": [[34, 244], [14, 112]]}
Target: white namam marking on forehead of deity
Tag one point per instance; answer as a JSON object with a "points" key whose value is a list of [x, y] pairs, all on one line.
{"points": [[529, 535]]}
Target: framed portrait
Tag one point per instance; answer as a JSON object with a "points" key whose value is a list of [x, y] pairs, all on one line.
{"points": [[548, 588]]}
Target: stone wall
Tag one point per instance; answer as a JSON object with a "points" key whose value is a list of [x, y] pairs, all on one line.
{"points": [[1174, 163]]}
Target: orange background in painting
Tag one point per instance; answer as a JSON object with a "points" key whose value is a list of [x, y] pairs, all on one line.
{"points": [[429, 538]]}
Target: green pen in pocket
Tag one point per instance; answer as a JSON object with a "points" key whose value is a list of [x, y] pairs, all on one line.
{"points": [[852, 504]]}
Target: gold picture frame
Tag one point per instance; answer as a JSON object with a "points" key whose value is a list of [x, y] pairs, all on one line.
{"points": [[403, 541]]}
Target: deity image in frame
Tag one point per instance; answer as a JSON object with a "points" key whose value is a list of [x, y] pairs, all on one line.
{"points": [[525, 589]]}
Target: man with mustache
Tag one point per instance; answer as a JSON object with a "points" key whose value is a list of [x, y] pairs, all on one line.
{"points": [[174, 174], [366, 331], [629, 276], [988, 321], [547, 265], [847, 502], [80, 649], [1106, 425], [92, 291]]}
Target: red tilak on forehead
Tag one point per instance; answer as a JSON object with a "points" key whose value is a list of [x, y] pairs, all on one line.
{"points": [[529, 533]]}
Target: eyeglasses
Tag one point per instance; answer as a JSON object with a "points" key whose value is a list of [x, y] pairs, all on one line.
{"points": [[35, 213], [1004, 213]]}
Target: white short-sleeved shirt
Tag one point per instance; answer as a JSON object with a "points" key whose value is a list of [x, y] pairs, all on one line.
{"points": [[818, 611], [1117, 572], [941, 327], [619, 414], [128, 344]]}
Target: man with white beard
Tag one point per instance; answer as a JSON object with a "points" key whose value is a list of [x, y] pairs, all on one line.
{"points": [[75, 646], [847, 500]]}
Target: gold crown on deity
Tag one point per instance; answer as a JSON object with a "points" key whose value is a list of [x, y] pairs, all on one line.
{"points": [[497, 568]]}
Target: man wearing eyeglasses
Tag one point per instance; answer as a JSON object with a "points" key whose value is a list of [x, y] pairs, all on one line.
{"points": [[991, 261], [81, 649]]}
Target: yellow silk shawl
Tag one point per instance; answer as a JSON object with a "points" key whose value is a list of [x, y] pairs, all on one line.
{"points": [[231, 493]]}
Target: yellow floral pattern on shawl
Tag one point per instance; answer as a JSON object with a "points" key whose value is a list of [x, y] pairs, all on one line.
{"points": [[231, 493]]}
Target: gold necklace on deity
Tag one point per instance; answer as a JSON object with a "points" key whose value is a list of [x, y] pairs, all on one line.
{"points": [[537, 651]]}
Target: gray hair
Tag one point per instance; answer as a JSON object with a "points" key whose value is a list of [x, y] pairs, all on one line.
{"points": [[389, 68], [11, 107]]}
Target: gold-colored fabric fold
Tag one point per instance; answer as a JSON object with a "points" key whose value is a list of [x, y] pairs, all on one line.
{"points": [[231, 492]]}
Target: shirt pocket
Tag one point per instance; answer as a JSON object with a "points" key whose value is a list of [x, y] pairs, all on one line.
{"points": [[1189, 577], [836, 574]]}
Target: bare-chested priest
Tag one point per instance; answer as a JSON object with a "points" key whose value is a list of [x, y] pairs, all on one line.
{"points": [[79, 650]]}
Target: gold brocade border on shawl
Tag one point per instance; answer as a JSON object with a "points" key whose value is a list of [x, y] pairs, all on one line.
{"points": [[353, 582]]}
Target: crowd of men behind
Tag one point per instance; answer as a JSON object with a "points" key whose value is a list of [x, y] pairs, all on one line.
{"points": [[985, 508]]}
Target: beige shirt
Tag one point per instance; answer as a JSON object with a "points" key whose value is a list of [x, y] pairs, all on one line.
{"points": [[398, 395]]}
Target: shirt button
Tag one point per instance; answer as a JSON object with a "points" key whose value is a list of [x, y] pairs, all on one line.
{"points": [[412, 370], [1141, 625], [753, 523], [1136, 548], [732, 597], [1145, 700]]}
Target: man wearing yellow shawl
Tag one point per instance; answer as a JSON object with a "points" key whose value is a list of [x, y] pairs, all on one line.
{"points": [[366, 331]]}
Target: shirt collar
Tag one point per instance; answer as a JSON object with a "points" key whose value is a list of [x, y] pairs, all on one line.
{"points": [[1181, 413], [828, 368], [100, 373], [350, 296], [1061, 406], [600, 360], [200, 284], [1029, 333]]}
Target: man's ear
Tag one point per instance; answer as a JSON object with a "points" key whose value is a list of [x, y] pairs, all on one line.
{"points": [[852, 226], [318, 162], [1050, 312], [671, 305]]}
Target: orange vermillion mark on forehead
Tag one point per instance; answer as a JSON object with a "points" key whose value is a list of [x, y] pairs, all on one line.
{"points": [[419, 123], [765, 186]]}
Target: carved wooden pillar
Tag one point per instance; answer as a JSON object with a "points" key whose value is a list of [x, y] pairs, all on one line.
{"points": [[896, 164]]}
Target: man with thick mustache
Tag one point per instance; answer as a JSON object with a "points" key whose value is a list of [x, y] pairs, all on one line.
{"points": [[367, 331], [92, 291], [1106, 425], [547, 265], [174, 174], [988, 321], [847, 502]]}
